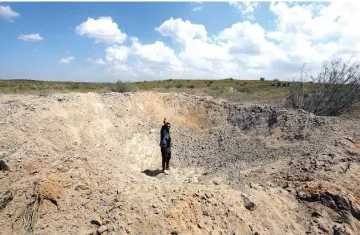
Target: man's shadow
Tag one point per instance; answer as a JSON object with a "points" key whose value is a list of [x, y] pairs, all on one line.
{"points": [[152, 173]]}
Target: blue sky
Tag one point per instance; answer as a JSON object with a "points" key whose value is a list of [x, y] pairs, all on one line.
{"points": [[195, 39]]}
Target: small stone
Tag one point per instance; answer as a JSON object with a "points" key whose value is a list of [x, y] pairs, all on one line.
{"points": [[97, 220], [338, 230], [256, 233], [201, 224], [89, 232], [3, 166], [3, 154], [215, 232], [81, 187], [206, 213], [102, 229], [175, 233], [249, 204], [322, 227]]}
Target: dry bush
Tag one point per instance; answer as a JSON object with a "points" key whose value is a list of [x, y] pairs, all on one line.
{"points": [[331, 93]]}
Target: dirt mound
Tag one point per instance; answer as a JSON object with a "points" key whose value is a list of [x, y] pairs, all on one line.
{"points": [[70, 159]]}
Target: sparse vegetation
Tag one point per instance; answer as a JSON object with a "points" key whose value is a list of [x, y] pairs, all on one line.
{"points": [[334, 90], [260, 90], [180, 85], [262, 79], [243, 89], [123, 87]]}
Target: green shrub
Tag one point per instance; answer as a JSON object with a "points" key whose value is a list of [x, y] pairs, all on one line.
{"points": [[262, 79], [123, 87], [167, 86], [243, 89], [191, 86], [180, 85]]}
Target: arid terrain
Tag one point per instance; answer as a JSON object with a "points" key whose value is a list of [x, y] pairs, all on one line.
{"points": [[89, 163]]}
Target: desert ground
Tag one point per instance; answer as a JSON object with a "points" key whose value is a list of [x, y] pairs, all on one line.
{"points": [[89, 163]]}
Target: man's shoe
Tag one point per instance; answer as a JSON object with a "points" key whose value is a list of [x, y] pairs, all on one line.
{"points": [[168, 168], [165, 172]]}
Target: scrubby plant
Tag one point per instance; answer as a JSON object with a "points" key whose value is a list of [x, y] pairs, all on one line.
{"points": [[262, 79], [332, 92], [180, 85], [122, 87], [243, 89]]}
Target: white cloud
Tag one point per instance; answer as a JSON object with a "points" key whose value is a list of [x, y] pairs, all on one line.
{"points": [[197, 8], [99, 61], [181, 31], [304, 31], [66, 60], [156, 52], [247, 9], [31, 37], [243, 50], [116, 54], [102, 30], [7, 13]]}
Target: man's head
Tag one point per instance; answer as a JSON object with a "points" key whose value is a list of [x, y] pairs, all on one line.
{"points": [[168, 125]]}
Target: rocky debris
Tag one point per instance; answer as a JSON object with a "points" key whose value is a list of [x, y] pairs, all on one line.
{"points": [[97, 220], [333, 200], [89, 232], [3, 154], [322, 228], [249, 203], [340, 231], [81, 187], [232, 143], [102, 229], [5, 199], [3, 166], [202, 224]]}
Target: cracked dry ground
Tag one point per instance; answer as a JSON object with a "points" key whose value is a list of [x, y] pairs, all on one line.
{"points": [[89, 164]]}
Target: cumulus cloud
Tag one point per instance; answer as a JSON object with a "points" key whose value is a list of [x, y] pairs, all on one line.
{"points": [[247, 9], [7, 13], [244, 50], [181, 31], [305, 30], [102, 30], [116, 54], [31, 37], [66, 60]]}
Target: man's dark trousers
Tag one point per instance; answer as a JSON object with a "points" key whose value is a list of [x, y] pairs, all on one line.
{"points": [[166, 156]]}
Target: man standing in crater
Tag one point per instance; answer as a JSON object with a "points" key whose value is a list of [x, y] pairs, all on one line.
{"points": [[165, 145]]}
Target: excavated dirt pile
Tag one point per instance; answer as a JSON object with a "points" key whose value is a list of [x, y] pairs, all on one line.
{"points": [[90, 164]]}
